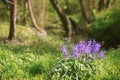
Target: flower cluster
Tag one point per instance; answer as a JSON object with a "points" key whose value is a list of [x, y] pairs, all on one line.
{"points": [[91, 48]]}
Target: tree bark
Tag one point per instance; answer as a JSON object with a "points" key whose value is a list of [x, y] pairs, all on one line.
{"points": [[34, 21], [110, 6], [84, 11], [42, 13], [13, 10], [103, 4], [62, 16], [24, 12], [73, 29], [107, 3], [93, 4]]}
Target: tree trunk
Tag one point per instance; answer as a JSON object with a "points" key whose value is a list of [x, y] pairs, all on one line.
{"points": [[62, 16], [84, 11], [73, 29], [24, 12], [42, 13], [34, 21], [103, 4], [93, 4], [12, 34], [110, 6], [107, 3]]}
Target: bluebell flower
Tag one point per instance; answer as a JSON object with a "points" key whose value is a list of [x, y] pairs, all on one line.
{"points": [[101, 54], [75, 51], [95, 47], [82, 46], [89, 48], [65, 51]]}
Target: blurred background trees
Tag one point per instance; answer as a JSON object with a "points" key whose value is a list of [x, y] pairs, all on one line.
{"points": [[79, 19]]}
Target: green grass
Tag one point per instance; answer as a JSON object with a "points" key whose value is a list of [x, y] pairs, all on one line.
{"points": [[109, 66], [31, 57]]}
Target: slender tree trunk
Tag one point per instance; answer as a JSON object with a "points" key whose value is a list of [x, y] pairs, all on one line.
{"points": [[42, 13], [13, 10], [24, 12], [84, 11], [103, 4], [73, 29], [107, 3], [93, 4], [110, 6], [33, 19], [61, 15]]}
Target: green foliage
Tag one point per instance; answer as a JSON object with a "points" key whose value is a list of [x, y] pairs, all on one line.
{"points": [[107, 27], [73, 69], [19, 64], [30, 57], [4, 12], [33, 57], [109, 69]]}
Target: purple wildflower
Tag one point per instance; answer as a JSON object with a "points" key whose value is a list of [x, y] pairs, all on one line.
{"points": [[65, 51], [85, 47], [88, 47], [82, 47], [101, 54], [95, 47], [75, 51]]}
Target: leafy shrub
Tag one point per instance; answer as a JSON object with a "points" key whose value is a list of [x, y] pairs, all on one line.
{"points": [[107, 27], [79, 65]]}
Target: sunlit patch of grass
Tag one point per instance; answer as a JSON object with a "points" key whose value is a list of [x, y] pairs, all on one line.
{"points": [[109, 66], [29, 58], [19, 62]]}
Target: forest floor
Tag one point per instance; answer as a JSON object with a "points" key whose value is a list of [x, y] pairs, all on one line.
{"points": [[31, 57]]}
